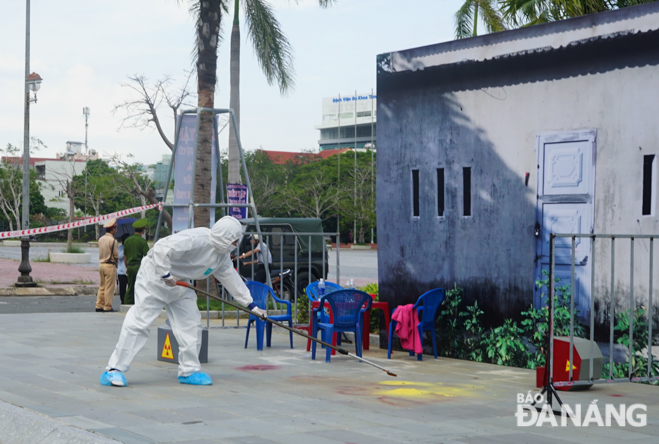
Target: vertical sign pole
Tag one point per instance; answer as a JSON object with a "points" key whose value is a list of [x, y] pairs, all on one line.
{"points": [[552, 260], [572, 294], [631, 312], [612, 307]]}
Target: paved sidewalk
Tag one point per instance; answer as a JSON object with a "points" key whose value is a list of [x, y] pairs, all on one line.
{"points": [[50, 274], [50, 364]]}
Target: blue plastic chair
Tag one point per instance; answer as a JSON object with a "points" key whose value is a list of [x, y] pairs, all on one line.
{"points": [[260, 293], [426, 309], [313, 295], [312, 290], [348, 307]]}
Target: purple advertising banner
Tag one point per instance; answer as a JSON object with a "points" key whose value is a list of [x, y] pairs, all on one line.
{"points": [[183, 173], [237, 193]]}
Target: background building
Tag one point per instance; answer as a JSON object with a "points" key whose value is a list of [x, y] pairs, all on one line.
{"points": [[55, 172], [342, 115], [161, 170], [157, 173]]}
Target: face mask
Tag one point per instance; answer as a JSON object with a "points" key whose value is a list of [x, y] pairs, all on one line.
{"points": [[224, 233]]}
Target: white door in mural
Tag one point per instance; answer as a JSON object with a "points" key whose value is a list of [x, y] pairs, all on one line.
{"points": [[566, 192]]}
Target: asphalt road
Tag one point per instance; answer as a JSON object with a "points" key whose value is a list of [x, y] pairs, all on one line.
{"points": [[51, 304], [41, 250], [360, 265], [355, 264]]}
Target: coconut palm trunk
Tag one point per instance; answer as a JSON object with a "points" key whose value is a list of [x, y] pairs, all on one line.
{"points": [[234, 98], [208, 27], [273, 53]]}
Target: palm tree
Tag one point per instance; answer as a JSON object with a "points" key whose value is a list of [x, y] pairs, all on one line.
{"points": [[467, 17], [273, 53], [209, 15], [533, 12]]}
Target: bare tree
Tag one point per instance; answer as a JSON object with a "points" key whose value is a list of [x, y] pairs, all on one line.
{"points": [[318, 198], [142, 112], [265, 189], [11, 181], [94, 197], [97, 190], [11, 186], [137, 184], [65, 178], [361, 207]]}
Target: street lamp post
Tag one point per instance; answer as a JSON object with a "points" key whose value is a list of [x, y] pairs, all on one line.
{"points": [[32, 83]]}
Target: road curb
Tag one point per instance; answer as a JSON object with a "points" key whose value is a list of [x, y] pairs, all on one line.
{"points": [[48, 291]]}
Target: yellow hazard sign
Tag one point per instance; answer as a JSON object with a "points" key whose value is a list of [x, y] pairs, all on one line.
{"points": [[167, 349], [567, 363]]}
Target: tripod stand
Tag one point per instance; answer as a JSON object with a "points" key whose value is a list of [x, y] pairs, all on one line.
{"points": [[548, 389]]}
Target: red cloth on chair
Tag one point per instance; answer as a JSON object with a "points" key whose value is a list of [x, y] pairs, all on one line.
{"points": [[406, 323]]}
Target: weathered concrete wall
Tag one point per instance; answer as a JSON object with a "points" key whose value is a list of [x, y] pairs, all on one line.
{"points": [[489, 121]]}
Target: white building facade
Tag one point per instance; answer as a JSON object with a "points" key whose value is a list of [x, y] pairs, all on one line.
{"points": [[53, 174], [348, 122]]}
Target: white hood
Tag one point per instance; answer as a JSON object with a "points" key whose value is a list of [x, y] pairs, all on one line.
{"points": [[224, 233]]}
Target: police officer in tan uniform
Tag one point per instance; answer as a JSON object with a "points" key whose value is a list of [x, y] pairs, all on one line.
{"points": [[108, 257]]}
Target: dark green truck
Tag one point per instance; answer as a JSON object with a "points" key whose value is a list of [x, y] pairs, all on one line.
{"points": [[271, 225]]}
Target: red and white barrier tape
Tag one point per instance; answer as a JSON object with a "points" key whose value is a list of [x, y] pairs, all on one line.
{"points": [[80, 223]]}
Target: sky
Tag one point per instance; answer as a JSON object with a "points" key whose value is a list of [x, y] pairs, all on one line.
{"points": [[85, 49]]}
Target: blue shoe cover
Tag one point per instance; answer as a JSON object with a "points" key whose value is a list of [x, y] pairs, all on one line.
{"points": [[198, 378], [114, 378]]}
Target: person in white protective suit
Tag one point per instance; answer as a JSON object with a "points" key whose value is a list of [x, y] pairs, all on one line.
{"points": [[191, 254]]}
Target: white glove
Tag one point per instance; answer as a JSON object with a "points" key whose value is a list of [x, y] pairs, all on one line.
{"points": [[260, 313], [170, 280]]}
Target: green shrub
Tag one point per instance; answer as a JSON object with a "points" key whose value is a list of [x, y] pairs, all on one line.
{"points": [[73, 249], [451, 330], [473, 346], [639, 360], [372, 288], [303, 308], [461, 334], [504, 345], [536, 321]]}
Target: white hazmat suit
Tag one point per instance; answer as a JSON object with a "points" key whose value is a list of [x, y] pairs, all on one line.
{"points": [[192, 254]]}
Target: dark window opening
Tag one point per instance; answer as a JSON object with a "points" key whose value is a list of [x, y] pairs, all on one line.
{"points": [[41, 171], [466, 186], [648, 167], [415, 193], [440, 192]]}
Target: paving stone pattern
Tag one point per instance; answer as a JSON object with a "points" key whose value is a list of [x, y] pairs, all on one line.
{"points": [[50, 366]]}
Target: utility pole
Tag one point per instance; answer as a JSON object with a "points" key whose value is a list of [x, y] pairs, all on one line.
{"points": [[85, 112], [354, 229], [338, 179], [372, 150]]}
